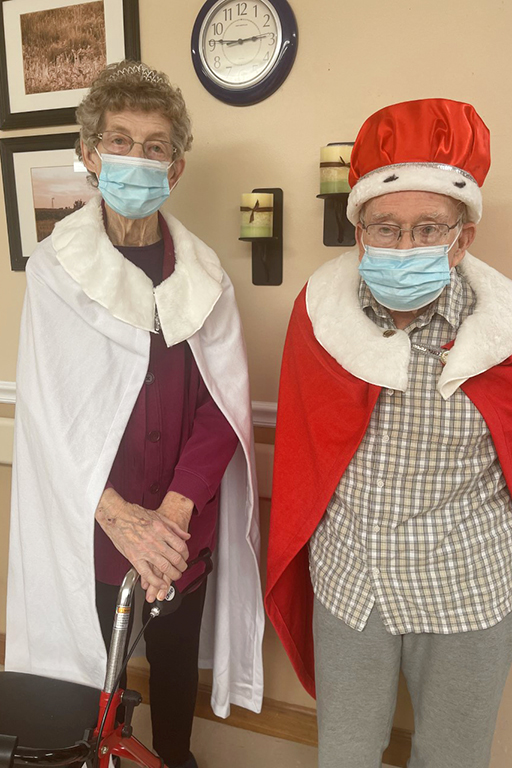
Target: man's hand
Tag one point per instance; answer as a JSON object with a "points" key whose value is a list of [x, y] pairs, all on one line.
{"points": [[153, 543]]}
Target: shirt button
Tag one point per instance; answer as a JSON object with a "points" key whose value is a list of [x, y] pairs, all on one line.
{"points": [[380, 484], [390, 332], [150, 377], [154, 488], [385, 437], [154, 436], [375, 572], [390, 392], [376, 528]]}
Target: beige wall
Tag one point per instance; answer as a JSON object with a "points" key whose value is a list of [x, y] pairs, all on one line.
{"points": [[5, 485], [353, 58]]}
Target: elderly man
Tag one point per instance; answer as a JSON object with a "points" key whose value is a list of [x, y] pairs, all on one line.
{"points": [[392, 516]]}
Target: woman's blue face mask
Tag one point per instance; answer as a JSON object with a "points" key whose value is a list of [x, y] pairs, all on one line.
{"points": [[406, 280], [134, 187]]}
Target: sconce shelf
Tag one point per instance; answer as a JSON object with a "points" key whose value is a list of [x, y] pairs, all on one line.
{"points": [[259, 239]]}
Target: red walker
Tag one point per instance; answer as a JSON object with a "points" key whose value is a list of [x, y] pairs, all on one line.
{"points": [[47, 723]]}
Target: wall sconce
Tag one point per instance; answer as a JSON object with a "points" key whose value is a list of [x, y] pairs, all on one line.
{"points": [[262, 225], [334, 191]]}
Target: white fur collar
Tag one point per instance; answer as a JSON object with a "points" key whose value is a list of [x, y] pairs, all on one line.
{"points": [[184, 300], [342, 328]]}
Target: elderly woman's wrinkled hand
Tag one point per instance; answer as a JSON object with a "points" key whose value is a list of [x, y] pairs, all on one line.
{"points": [[154, 545]]}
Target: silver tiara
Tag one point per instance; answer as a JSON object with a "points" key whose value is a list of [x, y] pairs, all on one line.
{"points": [[137, 69]]}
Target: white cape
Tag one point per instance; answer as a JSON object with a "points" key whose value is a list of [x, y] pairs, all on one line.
{"points": [[84, 351]]}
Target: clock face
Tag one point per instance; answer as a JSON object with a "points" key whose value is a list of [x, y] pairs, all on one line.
{"points": [[240, 43]]}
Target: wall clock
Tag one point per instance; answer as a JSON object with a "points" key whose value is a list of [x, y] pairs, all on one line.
{"points": [[243, 51]]}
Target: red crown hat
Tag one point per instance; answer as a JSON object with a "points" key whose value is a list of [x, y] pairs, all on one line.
{"points": [[430, 145]]}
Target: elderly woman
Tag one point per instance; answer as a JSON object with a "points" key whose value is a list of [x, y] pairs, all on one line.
{"points": [[133, 411]]}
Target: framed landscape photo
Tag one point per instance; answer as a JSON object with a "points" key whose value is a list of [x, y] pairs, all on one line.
{"points": [[43, 183], [51, 51]]}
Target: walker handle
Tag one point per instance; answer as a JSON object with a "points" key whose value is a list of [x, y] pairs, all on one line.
{"points": [[8, 746], [173, 598]]}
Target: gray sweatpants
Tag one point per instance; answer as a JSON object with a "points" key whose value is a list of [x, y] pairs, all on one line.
{"points": [[455, 681]]}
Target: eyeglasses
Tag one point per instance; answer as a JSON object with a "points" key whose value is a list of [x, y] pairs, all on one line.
{"points": [[424, 234], [120, 144]]}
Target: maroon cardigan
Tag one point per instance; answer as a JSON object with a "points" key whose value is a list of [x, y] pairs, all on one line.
{"points": [[177, 439]]}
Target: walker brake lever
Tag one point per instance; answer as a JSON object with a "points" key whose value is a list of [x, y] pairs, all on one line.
{"points": [[173, 598]]}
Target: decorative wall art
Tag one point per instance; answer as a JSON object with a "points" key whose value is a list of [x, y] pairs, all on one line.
{"points": [[51, 50], [43, 183]]}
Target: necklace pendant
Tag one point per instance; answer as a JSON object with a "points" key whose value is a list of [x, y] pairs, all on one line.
{"points": [[440, 354]]}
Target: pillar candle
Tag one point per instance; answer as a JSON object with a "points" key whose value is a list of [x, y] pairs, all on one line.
{"points": [[257, 214], [334, 168]]}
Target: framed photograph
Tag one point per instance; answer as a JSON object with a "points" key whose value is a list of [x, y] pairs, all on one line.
{"points": [[43, 183], [51, 51]]}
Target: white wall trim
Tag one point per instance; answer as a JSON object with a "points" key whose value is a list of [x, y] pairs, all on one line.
{"points": [[263, 414], [7, 391]]}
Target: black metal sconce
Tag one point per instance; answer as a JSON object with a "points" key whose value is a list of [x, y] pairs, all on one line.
{"points": [[338, 230], [267, 252], [334, 191]]}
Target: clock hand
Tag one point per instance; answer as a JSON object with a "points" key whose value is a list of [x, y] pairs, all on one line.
{"points": [[245, 39]]}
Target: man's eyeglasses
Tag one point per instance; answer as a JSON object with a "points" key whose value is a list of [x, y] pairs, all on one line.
{"points": [[422, 234], [120, 144]]}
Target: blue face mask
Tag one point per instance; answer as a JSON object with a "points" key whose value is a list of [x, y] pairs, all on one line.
{"points": [[406, 280], [134, 187]]}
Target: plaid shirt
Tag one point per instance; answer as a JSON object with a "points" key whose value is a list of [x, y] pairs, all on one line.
{"points": [[420, 524]]}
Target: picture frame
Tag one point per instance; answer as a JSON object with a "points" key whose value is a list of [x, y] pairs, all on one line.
{"points": [[43, 182], [42, 53]]}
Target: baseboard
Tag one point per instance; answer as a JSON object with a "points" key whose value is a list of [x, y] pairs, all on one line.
{"points": [[277, 718]]}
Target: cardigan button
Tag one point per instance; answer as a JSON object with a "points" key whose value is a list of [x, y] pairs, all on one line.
{"points": [[388, 333], [150, 377], [154, 436]]}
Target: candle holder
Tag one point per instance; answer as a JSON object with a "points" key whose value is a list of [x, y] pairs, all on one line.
{"points": [[267, 252], [334, 191], [338, 230]]}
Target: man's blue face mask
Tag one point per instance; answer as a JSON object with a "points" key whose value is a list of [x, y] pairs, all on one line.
{"points": [[134, 187], [406, 280]]}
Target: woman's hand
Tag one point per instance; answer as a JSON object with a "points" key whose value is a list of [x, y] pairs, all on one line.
{"points": [[153, 543], [177, 510]]}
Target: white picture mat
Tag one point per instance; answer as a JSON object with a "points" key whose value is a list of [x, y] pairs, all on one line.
{"points": [[23, 164], [19, 100]]}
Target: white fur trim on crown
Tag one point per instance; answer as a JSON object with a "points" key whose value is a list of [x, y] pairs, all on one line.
{"points": [[420, 177]]}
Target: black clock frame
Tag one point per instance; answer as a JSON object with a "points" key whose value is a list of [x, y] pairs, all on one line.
{"points": [[245, 97]]}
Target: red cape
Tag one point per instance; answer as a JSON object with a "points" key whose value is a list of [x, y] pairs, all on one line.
{"points": [[323, 414]]}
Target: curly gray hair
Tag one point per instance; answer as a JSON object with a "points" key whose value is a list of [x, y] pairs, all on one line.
{"points": [[133, 85]]}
